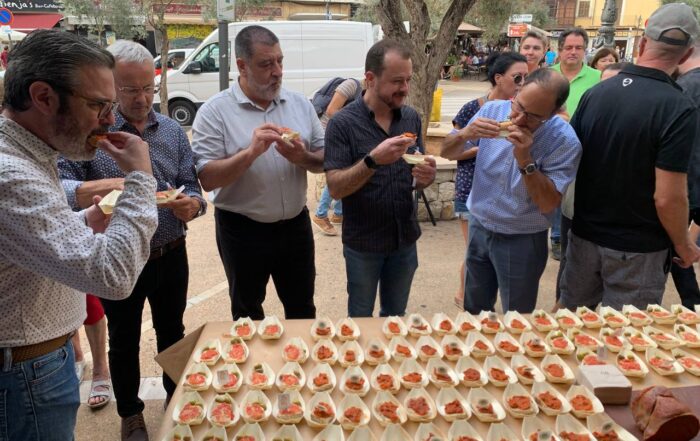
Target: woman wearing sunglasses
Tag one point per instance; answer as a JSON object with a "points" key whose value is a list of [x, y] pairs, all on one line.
{"points": [[506, 72]]}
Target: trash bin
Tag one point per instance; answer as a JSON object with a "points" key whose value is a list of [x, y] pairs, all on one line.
{"points": [[437, 105]]}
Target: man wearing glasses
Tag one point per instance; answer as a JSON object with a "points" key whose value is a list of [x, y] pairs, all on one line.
{"points": [[520, 174], [173, 166], [59, 90]]}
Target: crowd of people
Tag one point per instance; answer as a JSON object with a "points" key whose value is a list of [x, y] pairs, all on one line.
{"points": [[77, 123]]}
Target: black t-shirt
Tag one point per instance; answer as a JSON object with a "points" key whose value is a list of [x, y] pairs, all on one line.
{"points": [[629, 125], [690, 82]]}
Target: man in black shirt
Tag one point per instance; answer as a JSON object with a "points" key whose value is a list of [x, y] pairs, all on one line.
{"points": [[363, 161], [684, 278], [631, 203]]}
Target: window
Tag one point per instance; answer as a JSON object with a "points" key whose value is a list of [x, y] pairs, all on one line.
{"points": [[584, 9], [209, 58]]}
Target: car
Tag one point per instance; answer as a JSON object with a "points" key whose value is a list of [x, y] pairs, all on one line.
{"points": [[175, 59]]}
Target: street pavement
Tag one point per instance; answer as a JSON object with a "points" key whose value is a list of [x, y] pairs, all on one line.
{"points": [[440, 252]]}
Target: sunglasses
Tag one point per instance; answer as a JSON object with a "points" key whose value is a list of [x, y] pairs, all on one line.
{"points": [[519, 79]]}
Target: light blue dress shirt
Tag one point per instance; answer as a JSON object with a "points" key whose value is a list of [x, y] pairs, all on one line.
{"points": [[499, 199]]}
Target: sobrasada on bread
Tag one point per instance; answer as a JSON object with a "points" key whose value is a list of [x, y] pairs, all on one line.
{"points": [[93, 139], [288, 134]]}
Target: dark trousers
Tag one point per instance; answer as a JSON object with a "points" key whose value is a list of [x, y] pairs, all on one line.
{"points": [[253, 251], [163, 282], [685, 280], [565, 227]]}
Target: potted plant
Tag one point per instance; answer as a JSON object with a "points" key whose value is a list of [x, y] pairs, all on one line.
{"points": [[457, 73]]}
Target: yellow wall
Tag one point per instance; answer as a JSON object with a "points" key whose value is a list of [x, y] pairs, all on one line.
{"points": [[632, 14]]}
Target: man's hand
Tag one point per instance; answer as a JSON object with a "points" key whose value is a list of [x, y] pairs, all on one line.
{"points": [[688, 254], [481, 128], [521, 138], [184, 207], [391, 149], [263, 137], [294, 152], [95, 218], [424, 173], [100, 187], [129, 151]]}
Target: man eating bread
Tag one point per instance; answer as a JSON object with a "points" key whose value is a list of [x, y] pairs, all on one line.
{"points": [[527, 157]]}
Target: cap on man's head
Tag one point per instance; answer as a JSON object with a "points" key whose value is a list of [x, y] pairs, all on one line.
{"points": [[673, 16]]}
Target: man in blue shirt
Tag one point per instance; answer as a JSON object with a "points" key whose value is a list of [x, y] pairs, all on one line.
{"points": [[164, 279], [520, 174]]}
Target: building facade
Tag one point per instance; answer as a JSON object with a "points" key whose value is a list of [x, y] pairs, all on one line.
{"points": [[631, 19]]}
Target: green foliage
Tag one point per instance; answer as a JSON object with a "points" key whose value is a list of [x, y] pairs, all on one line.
{"points": [[493, 15], [118, 14]]}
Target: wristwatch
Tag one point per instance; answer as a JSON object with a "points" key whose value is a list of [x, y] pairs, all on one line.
{"points": [[528, 169], [369, 162]]}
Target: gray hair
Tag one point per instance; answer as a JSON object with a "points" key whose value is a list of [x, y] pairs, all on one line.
{"points": [[250, 35], [53, 57], [129, 52]]}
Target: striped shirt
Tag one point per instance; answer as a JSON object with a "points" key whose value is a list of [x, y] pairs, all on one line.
{"points": [[380, 217], [499, 199]]}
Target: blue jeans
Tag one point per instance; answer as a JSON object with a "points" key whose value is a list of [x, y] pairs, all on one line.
{"points": [[555, 235], [393, 272], [39, 398], [509, 263], [324, 204]]}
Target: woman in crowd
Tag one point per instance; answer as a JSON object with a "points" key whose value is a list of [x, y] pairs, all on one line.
{"points": [[604, 57], [506, 71], [533, 46]]}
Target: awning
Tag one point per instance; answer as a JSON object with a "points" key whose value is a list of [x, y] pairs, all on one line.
{"points": [[466, 28], [29, 22]]}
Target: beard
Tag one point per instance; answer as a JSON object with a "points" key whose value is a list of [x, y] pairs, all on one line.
{"points": [[267, 92], [69, 141]]}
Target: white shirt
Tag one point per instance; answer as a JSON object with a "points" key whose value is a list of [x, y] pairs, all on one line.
{"points": [[273, 188], [49, 257]]}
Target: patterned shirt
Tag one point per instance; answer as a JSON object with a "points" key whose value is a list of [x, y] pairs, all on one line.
{"points": [[465, 167], [171, 159], [49, 258], [499, 199], [380, 217], [272, 189]]}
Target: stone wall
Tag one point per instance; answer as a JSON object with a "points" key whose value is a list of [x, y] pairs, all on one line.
{"points": [[440, 194]]}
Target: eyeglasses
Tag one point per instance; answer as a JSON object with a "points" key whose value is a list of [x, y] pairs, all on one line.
{"points": [[133, 91], [534, 119], [518, 79], [105, 107]]}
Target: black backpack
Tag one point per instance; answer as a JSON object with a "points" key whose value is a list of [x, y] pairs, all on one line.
{"points": [[322, 97]]}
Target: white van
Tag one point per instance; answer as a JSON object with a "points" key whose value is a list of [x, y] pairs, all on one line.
{"points": [[314, 52]]}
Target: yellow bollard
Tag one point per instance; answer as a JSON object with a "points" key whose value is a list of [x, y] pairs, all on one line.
{"points": [[437, 105]]}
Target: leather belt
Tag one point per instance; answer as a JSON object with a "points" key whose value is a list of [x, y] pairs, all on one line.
{"points": [[24, 353], [165, 249]]}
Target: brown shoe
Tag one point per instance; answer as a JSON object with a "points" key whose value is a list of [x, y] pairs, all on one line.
{"points": [[336, 220], [134, 428], [325, 226]]}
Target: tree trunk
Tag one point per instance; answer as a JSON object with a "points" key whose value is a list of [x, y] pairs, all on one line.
{"points": [[164, 48], [427, 61]]}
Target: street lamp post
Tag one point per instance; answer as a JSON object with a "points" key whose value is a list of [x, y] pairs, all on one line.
{"points": [[606, 33]]}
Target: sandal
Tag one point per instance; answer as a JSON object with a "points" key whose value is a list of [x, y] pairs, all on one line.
{"points": [[80, 369], [100, 388]]}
